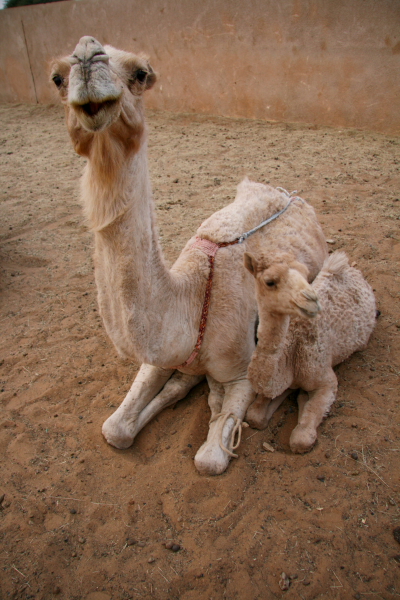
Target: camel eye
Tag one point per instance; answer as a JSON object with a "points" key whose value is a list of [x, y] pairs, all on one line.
{"points": [[141, 75], [271, 283], [58, 80]]}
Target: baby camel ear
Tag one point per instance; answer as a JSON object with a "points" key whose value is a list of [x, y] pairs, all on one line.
{"points": [[250, 263]]}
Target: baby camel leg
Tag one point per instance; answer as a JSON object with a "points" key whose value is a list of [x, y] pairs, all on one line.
{"points": [[125, 423], [313, 407], [260, 412], [214, 455]]}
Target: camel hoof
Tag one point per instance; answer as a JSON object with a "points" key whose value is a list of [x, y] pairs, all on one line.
{"points": [[117, 434], [302, 440], [211, 460]]}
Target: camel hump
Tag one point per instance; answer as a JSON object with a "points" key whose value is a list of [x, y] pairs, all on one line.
{"points": [[254, 203], [335, 264]]}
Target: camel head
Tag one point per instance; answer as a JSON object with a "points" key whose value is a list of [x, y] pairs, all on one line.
{"points": [[101, 85], [281, 288]]}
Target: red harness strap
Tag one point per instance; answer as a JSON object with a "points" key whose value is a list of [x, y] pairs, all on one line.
{"points": [[211, 249]]}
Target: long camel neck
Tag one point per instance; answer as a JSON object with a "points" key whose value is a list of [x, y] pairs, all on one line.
{"points": [[144, 305]]}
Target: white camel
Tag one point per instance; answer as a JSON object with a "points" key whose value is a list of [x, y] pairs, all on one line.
{"points": [[297, 351], [154, 314]]}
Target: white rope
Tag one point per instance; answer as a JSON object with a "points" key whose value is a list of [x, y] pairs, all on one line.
{"points": [[289, 195], [237, 429]]}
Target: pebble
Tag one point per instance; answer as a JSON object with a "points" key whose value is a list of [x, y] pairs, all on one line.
{"points": [[130, 542], [72, 511], [151, 560], [396, 534], [81, 540], [172, 546], [284, 582], [268, 447], [354, 455], [321, 477], [141, 544]]}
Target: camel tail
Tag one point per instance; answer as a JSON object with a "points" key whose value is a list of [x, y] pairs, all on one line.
{"points": [[335, 264]]}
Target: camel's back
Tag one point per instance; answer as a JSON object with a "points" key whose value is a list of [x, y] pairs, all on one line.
{"points": [[296, 231]]}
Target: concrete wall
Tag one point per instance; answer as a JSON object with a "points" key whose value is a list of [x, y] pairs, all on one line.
{"points": [[332, 62]]}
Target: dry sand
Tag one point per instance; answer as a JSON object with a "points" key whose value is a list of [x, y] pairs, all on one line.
{"points": [[82, 520]]}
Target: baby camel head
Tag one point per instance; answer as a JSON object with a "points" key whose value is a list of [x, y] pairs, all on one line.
{"points": [[98, 85], [281, 287]]}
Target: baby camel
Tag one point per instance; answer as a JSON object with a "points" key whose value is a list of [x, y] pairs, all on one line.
{"points": [[296, 350]]}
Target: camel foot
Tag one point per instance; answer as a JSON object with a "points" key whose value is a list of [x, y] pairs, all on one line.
{"points": [[302, 439], [211, 459], [256, 416], [223, 438], [117, 433], [259, 413]]}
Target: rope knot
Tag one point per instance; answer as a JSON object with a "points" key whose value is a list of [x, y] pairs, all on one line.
{"points": [[237, 430]]}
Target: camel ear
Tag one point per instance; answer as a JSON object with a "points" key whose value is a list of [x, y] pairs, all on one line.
{"points": [[250, 263], [146, 75], [151, 77]]}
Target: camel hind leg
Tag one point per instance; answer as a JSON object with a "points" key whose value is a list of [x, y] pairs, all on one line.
{"points": [[153, 389]]}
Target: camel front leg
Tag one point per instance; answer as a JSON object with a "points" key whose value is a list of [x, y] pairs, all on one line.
{"points": [[260, 412], [214, 455], [215, 397], [121, 427], [174, 390], [313, 407]]}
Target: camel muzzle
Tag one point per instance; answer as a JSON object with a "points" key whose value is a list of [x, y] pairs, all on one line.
{"points": [[93, 91], [308, 304]]}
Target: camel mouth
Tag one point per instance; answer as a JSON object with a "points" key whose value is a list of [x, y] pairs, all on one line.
{"points": [[92, 109], [308, 313]]}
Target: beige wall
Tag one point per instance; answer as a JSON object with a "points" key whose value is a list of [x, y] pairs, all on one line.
{"points": [[331, 62]]}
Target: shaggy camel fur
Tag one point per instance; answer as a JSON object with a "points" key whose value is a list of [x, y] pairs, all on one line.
{"points": [[296, 348], [152, 313]]}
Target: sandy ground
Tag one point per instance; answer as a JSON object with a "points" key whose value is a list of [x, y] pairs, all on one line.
{"points": [[82, 520]]}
